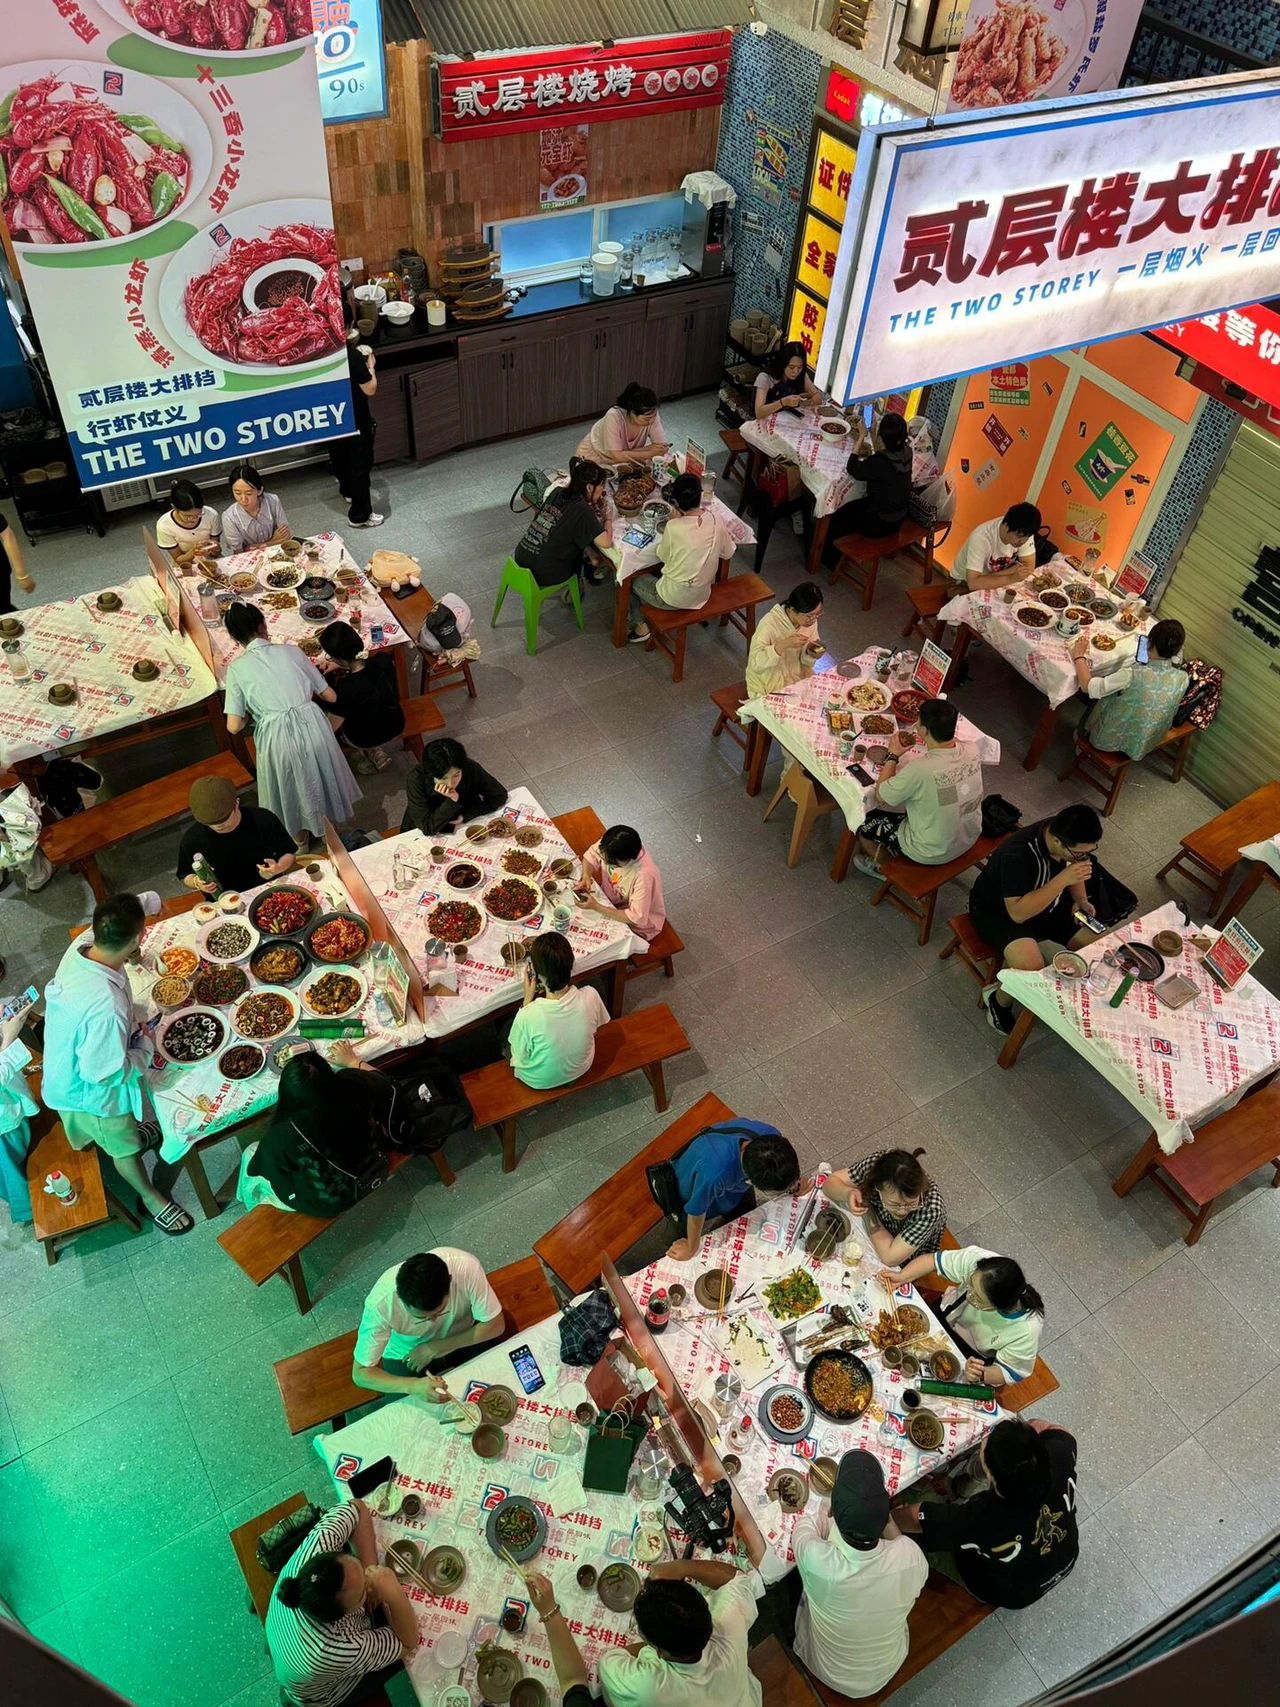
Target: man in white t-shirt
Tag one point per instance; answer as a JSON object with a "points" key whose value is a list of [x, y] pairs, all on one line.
{"points": [[693, 1650], [999, 552], [423, 1316], [861, 1578], [932, 806], [553, 1037]]}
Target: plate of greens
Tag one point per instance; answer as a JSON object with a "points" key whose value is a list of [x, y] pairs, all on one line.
{"points": [[794, 1295]]}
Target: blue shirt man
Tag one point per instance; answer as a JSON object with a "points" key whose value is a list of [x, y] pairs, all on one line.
{"points": [[718, 1172]]}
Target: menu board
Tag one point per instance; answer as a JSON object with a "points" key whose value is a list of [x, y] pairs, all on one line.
{"points": [[1232, 955], [826, 196], [931, 669], [185, 221]]}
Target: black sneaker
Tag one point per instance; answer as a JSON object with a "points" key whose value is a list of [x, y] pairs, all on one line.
{"points": [[999, 1017]]}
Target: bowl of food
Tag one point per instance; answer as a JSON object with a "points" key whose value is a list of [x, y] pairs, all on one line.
{"points": [[190, 1036], [1103, 609], [905, 707], [455, 922], [281, 963], [498, 1671], [179, 962], [219, 986], [586, 1576], [1081, 615], [169, 992], [329, 994], [839, 1385], [498, 1404], [242, 1061], [283, 1052], [444, 1569], [225, 941], [1104, 642], [925, 1430], [511, 900], [488, 1441], [463, 875], [944, 1366], [868, 696], [513, 952], [499, 828], [281, 577], [518, 862], [1079, 592], [792, 1295], [265, 1015], [1031, 616], [878, 725], [835, 428], [338, 938], [477, 833], [318, 587], [204, 913], [1069, 965], [1055, 600], [318, 612], [282, 911], [1043, 581], [618, 1587], [790, 1488], [230, 901], [785, 1414], [243, 581], [1129, 619], [516, 1526]]}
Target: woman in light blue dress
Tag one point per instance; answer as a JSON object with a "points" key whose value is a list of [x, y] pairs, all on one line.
{"points": [[302, 775]]}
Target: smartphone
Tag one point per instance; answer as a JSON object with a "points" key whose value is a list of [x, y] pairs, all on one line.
{"points": [[1142, 648], [1094, 925], [525, 1365], [863, 776], [19, 1004], [365, 1481], [405, 592], [637, 537], [868, 415]]}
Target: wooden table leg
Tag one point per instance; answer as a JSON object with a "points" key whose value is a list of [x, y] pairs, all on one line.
{"points": [[621, 600], [964, 639], [817, 544], [507, 1132], [617, 985], [217, 722], [1022, 1027], [658, 1085], [1257, 876], [1147, 1158], [1042, 737], [844, 854], [292, 1272], [757, 757], [401, 655], [194, 1165]]}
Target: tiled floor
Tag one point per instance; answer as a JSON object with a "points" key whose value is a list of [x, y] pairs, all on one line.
{"points": [[139, 1419]]}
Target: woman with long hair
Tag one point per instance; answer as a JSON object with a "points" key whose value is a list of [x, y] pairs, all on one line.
{"points": [[324, 1139], [992, 1311], [567, 536], [255, 516]]}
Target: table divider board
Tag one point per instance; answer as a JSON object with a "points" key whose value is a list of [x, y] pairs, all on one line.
{"points": [[684, 1433], [162, 570], [353, 881]]}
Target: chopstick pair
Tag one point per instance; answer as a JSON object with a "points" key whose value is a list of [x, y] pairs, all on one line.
{"points": [[515, 1564]]}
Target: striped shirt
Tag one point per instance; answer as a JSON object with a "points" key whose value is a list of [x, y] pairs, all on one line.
{"points": [[319, 1665], [923, 1228]]}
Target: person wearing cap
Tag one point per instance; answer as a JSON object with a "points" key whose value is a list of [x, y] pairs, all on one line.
{"points": [[861, 1578], [242, 845]]}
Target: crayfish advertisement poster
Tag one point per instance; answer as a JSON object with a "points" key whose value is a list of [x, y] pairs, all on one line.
{"points": [[164, 183]]}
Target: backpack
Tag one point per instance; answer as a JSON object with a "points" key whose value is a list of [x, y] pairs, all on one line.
{"points": [[425, 1105], [1000, 817], [1046, 550], [532, 491], [1199, 704]]}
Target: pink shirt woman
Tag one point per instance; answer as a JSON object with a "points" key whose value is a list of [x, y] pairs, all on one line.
{"points": [[629, 433], [631, 882]]}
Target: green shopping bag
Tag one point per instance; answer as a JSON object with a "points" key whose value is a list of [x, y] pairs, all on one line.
{"points": [[612, 1442]]}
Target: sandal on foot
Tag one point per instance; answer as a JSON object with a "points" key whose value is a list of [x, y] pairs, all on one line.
{"points": [[173, 1219]]}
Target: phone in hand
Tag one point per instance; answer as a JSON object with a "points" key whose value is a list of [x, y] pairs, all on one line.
{"points": [[1143, 649], [525, 1365], [19, 1004], [1091, 924]]}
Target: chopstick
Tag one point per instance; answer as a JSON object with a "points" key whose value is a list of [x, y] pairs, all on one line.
{"points": [[724, 1293], [515, 1564]]}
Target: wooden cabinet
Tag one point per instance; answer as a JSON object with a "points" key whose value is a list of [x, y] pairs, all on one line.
{"points": [[704, 346], [665, 332], [391, 439], [685, 338], [434, 411]]}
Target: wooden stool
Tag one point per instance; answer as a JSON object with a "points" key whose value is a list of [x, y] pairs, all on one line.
{"points": [[1225, 1151], [55, 1223], [661, 952], [858, 561], [1215, 847], [728, 702], [1106, 771], [244, 1542], [811, 803], [737, 446], [977, 956], [422, 716], [925, 604]]}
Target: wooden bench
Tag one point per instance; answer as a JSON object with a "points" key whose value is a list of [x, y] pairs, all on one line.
{"points": [[422, 716], [728, 702], [1224, 1152], [78, 841], [622, 1210], [914, 889], [1106, 772], [941, 1616], [1215, 847], [737, 446], [783, 1682], [976, 956], [54, 1223], [269, 1241], [638, 1043], [733, 602], [858, 557], [316, 1385], [661, 952], [1021, 1394], [926, 603]]}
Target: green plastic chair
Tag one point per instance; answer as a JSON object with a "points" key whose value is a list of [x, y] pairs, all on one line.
{"points": [[521, 582]]}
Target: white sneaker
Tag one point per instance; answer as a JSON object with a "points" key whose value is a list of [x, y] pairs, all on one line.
{"points": [[38, 871], [797, 523], [375, 521]]}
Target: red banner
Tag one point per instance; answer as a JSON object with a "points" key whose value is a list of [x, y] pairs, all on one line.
{"points": [[1242, 345], [501, 94]]}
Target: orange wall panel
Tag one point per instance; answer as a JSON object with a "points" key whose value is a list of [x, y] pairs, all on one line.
{"points": [[1149, 369]]}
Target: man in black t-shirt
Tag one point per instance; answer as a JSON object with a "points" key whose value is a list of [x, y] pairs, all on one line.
{"points": [[244, 845], [1033, 889], [1012, 1542]]}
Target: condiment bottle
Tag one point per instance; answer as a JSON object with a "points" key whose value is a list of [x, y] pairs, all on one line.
{"points": [[658, 1311], [740, 1432]]}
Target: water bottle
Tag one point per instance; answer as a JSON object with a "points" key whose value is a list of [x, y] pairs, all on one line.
{"points": [[58, 1185]]}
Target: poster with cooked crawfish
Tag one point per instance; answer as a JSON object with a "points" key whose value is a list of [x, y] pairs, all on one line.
{"points": [[1030, 50], [164, 182]]}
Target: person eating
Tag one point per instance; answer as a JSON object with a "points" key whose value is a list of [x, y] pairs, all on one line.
{"points": [[716, 1177], [566, 1657], [422, 1317], [691, 549], [566, 537], [693, 1616], [1138, 700], [255, 517], [785, 645], [999, 552], [189, 529], [553, 1037], [783, 383], [882, 463], [630, 434], [631, 882], [447, 789], [930, 809], [367, 709], [901, 1206], [1032, 891], [241, 846], [991, 1311]]}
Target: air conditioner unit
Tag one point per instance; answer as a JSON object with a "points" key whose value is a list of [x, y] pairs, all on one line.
{"points": [[126, 494]]}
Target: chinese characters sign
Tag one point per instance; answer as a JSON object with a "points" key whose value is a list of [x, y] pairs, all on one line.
{"points": [[1243, 345], [1011, 385], [500, 94], [769, 162], [829, 187], [808, 318], [983, 242], [1028, 50], [819, 246], [562, 166], [180, 264], [1107, 460], [827, 195], [350, 59]]}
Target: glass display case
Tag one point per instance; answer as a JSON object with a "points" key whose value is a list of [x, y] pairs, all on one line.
{"points": [[557, 245]]}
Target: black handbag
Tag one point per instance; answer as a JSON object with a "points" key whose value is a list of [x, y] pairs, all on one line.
{"points": [[277, 1545], [1000, 817], [1112, 900], [423, 1106]]}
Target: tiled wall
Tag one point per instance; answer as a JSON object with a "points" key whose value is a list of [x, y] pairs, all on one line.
{"points": [[1249, 26], [1185, 497], [773, 81]]}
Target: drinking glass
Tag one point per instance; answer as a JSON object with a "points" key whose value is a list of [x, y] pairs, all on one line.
{"points": [[559, 1433]]}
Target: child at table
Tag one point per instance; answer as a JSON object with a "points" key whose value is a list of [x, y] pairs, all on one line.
{"points": [[631, 881], [367, 710]]}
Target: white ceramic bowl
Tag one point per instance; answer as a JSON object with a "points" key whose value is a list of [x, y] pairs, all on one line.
{"points": [[398, 313]]}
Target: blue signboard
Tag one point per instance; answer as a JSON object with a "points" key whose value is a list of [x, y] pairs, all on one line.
{"points": [[350, 59]]}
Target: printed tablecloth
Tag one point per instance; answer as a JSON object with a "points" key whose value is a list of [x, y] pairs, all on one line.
{"points": [[175, 1089], [1267, 853], [1041, 655], [73, 641], [1178, 1066], [755, 1251], [458, 1491], [796, 718], [820, 459], [365, 605], [407, 884]]}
